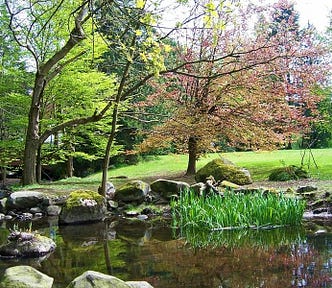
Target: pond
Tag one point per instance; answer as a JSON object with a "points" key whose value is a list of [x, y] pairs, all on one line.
{"points": [[153, 251]]}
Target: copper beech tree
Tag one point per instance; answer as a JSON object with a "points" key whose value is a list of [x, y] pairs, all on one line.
{"points": [[251, 87]]}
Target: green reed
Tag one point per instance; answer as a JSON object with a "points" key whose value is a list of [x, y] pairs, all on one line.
{"points": [[235, 211]]}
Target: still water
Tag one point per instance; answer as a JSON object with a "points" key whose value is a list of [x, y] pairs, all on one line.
{"points": [[153, 251]]}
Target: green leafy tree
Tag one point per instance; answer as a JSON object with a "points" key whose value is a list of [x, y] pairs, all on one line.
{"points": [[14, 84]]}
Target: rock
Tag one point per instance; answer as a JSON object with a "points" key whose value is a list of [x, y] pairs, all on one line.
{"points": [[25, 277], [24, 216], [53, 210], [24, 244], [35, 210], [305, 189], [110, 190], [3, 205], [199, 188], [131, 213], [142, 217], [2, 216], [168, 188], [287, 173], [139, 284], [229, 185], [5, 191], [96, 279], [24, 200], [112, 204], [221, 171], [134, 191], [82, 207]]}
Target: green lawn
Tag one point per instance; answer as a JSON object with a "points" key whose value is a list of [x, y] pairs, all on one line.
{"points": [[258, 163]]}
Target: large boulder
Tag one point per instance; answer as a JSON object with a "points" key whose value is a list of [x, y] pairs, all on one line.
{"points": [[24, 200], [168, 188], [25, 277], [96, 279], [222, 171], [24, 244], [83, 206], [134, 191]]}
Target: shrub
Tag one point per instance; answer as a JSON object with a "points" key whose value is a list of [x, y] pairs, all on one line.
{"points": [[287, 173]]}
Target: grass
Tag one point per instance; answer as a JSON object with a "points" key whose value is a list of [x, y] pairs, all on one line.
{"points": [[259, 164], [236, 211]]}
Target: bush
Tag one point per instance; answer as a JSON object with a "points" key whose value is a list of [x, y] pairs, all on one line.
{"points": [[287, 173]]}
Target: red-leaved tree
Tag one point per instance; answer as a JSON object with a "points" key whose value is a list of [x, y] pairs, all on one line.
{"points": [[250, 86]]}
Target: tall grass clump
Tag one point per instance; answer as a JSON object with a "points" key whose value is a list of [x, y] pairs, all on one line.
{"points": [[234, 211]]}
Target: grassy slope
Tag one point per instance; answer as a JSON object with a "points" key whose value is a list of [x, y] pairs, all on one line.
{"points": [[173, 166], [258, 163]]}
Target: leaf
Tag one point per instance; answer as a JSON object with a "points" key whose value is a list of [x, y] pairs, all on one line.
{"points": [[140, 4]]}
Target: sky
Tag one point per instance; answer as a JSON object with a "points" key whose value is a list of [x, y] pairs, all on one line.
{"points": [[314, 11]]}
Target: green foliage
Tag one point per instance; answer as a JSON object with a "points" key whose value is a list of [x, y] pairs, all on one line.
{"points": [[234, 211], [287, 173], [76, 196]]}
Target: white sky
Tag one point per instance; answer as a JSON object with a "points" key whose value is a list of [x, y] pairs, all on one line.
{"points": [[314, 11]]}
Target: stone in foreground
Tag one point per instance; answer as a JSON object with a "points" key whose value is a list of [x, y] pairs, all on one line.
{"points": [[139, 284], [96, 279], [25, 277]]}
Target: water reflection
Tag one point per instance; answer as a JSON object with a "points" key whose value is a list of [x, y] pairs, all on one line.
{"points": [[137, 250]]}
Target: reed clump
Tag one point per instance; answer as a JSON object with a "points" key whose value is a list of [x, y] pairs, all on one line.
{"points": [[236, 211]]}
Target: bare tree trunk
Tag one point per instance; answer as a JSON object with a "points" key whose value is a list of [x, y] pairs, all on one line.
{"points": [[192, 152], [39, 165], [106, 162], [32, 136], [70, 161], [3, 175]]}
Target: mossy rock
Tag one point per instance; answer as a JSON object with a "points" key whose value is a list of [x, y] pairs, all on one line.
{"points": [[221, 171], [287, 173], [75, 198], [25, 277], [134, 191], [83, 206]]}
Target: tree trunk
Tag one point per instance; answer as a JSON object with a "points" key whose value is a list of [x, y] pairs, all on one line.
{"points": [[3, 175], [39, 165], [192, 152], [32, 136], [106, 162]]}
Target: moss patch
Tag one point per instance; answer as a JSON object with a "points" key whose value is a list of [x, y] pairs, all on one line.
{"points": [[75, 197], [287, 173]]}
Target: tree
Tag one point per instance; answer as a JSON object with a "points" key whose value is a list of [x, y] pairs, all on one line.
{"points": [[14, 83], [251, 91], [52, 32]]}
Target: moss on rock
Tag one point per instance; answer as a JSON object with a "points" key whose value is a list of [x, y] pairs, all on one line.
{"points": [[221, 171], [287, 173], [77, 196]]}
